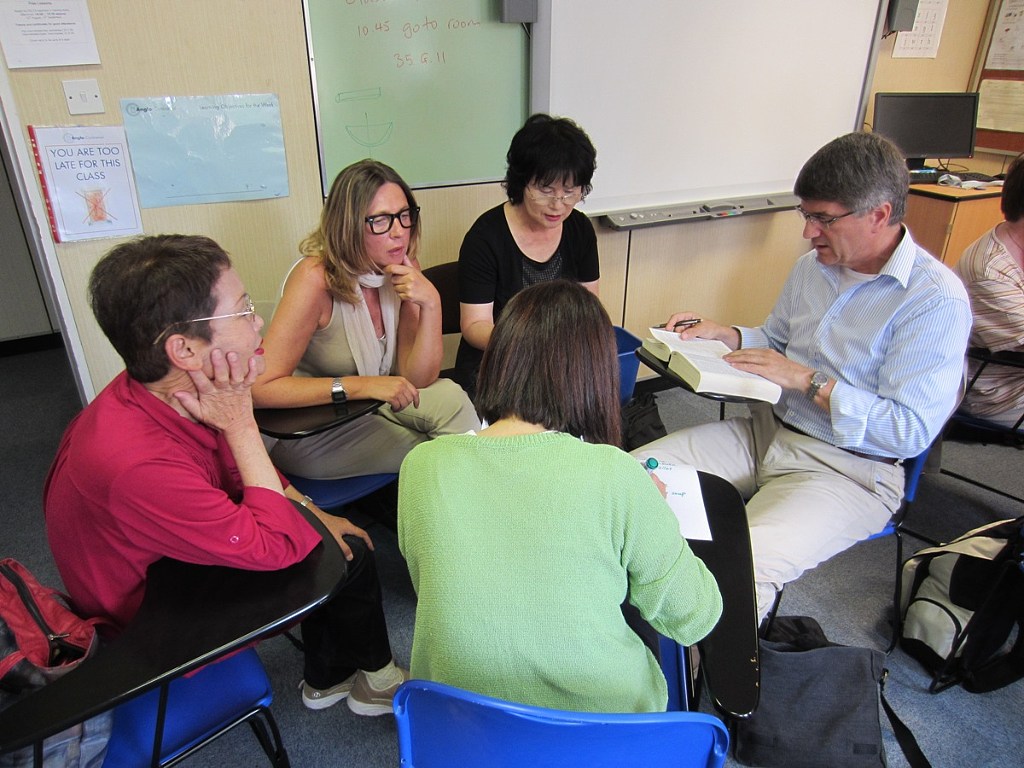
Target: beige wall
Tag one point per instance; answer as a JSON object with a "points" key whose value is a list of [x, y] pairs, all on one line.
{"points": [[189, 48], [730, 269], [949, 71]]}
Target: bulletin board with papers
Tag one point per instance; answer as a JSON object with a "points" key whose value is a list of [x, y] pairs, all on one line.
{"points": [[999, 79]]}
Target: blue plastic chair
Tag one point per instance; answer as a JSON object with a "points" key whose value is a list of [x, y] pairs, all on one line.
{"points": [[332, 494], [439, 725], [626, 345], [913, 469], [674, 659], [200, 708]]}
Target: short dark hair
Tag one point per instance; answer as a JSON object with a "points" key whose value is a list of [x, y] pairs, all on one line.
{"points": [[547, 150], [142, 287], [551, 360], [1012, 203], [859, 171]]}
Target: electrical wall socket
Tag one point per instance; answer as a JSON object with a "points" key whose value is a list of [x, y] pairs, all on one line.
{"points": [[82, 97]]}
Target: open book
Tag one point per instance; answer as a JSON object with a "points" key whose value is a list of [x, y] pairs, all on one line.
{"points": [[699, 363]]}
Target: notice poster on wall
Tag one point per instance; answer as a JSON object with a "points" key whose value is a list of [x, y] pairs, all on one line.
{"points": [[47, 33], [192, 150], [86, 177]]}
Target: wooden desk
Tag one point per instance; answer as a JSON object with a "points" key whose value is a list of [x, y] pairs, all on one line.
{"points": [[190, 615], [945, 220], [293, 423]]}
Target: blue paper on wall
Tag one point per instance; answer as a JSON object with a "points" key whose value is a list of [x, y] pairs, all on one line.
{"points": [[206, 149]]}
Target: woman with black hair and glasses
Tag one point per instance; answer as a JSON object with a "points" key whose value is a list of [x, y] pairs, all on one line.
{"points": [[536, 236], [357, 319]]}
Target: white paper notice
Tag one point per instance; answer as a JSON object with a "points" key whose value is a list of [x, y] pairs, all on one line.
{"points": [[684, 497], [47, 33], [87, 181], [1006, 51], [1001, 105], [923, 41]]}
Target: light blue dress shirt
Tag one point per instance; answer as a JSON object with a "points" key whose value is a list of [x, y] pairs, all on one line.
{"points": [[894, 345]]}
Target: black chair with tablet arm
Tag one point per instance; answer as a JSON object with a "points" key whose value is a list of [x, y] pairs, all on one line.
{"points": [[191, 616]]}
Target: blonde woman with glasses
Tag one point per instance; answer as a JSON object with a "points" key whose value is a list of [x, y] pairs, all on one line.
{"points": [[357, 319], [536, 236]]}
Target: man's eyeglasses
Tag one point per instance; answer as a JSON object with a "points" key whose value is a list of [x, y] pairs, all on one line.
{"points": [[547, 195], [249, 311], [382, 223], [821, 219]]}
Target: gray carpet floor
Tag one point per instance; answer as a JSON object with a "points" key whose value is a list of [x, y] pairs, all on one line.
{"points": [[850, 595]]}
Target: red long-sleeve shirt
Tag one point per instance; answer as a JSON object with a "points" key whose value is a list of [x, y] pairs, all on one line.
{"points": [[134, 481]]}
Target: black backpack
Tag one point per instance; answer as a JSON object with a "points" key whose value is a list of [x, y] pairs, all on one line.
{"points": [[641, 422], [963, 608]]}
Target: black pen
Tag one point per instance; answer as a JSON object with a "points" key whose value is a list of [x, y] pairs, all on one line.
{"points": [[682, 323]]}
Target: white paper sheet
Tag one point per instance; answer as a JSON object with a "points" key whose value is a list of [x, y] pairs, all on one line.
{"points": [[684, 497], [55, 33]]}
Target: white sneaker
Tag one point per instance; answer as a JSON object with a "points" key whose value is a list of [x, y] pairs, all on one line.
{"points": [[315, 698]]}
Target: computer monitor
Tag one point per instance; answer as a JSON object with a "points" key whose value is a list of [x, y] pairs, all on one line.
{"points": [[927, 124]]}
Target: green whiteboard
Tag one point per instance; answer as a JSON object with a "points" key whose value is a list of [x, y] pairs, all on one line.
{"points": [[433, 88]]}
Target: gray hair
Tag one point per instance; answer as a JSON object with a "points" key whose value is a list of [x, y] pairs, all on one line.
{"points": [[859, 171]]}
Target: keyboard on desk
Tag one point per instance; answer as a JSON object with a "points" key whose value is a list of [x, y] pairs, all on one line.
{"points": [[972, 176]]}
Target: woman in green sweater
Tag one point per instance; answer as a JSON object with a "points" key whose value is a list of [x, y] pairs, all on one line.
{"points": [[523, 539]]}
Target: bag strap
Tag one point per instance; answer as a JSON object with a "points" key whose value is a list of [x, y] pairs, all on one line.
{"points": [[999, 673], [904, 736], [1007, 667]]}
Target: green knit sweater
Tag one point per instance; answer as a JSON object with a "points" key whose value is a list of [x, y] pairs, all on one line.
{"points": [[521, 550]]}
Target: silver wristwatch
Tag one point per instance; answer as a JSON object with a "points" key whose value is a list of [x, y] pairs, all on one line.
{"points": [[818, 380], [338, 394]]}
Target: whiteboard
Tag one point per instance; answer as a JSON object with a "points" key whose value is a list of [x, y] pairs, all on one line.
{"points": [[691, 100], [433, 88]]}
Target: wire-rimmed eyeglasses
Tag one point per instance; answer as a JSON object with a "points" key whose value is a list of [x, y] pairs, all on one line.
{"points": [[382, 223], [822, 220], [249, 311], [547, 195]]}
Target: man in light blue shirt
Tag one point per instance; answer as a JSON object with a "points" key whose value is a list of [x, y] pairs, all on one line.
{"points": [[867, 342]]}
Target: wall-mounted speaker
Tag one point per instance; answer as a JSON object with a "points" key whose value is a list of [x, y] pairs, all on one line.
{"points": [[525, 11], [901, 15]]}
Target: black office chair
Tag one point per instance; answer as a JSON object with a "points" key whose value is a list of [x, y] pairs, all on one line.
{"points": [[978, 428], [445, 278]]}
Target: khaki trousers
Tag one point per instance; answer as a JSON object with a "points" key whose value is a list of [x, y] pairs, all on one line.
{"points": [[807, 500]]}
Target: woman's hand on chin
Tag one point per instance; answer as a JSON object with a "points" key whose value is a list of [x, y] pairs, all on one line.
{"points": [[410, 284]]}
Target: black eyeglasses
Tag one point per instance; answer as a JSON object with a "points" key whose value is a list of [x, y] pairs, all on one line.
{"points": [[249, 311], [821, 219], [382, 223]]}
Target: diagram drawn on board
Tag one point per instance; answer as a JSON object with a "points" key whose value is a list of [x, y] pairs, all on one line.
{"points": [[370, 134], [366, 134]]}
